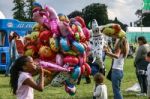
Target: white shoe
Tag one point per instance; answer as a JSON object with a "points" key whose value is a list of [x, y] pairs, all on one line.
{"points": [[141, 94]]}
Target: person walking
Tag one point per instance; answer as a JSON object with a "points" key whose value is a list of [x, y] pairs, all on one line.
{"points": [[141, 64]]}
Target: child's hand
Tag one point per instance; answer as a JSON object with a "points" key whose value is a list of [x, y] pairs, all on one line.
{"points": [[40, 69]]}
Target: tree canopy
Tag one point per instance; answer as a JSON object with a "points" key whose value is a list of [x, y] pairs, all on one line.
{"points": [[95, 11], [144, 18], [23, 10]]}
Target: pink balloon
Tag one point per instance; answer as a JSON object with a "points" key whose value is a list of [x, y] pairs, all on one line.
{"points": [[82, 58], [59, 59], [54, 26], [86, 32], [53, 66], [52, 12], [38, 17]]}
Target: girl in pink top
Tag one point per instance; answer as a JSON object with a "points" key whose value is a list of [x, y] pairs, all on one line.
{"points": [[21, 80]]}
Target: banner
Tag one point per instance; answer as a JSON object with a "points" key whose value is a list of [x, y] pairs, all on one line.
{"points": [[146, 6]]}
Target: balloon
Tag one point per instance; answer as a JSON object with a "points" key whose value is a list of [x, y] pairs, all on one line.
{"points": [[38, 17], [44, 36], [87, 69], [113, 30], [64, 43], [76, 73], [59, 59], [37, 27], [81, 34], [78, 47], [54, 44], [121, 34], [82, 59], [86, 32], [59, 79], [20, 45], [36, 4], [45, 52], [70, 52], [53, 20], [34, 35], [82, 69], [53, 66], [71, 60], [52, 12], [81, 21], [30, 50], [63, 17], [54, 26], [70, 88]]}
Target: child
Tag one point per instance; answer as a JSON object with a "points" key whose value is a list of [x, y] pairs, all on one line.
{"points": [[21, 80], [100, 91]]}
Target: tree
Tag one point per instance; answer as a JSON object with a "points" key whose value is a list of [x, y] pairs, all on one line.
{"points": [[29, 5], [123, 26], [144, 18], [19, 12], [95, 11], [75, 13]]}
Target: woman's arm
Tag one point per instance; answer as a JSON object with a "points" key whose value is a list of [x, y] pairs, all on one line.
{"points": [[38, 86], [116, 54]]}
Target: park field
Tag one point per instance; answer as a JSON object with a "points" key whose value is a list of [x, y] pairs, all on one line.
{"points": [[84, 91]]}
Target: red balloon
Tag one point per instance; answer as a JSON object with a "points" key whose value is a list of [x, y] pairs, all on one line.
{"points": [[72, 60], [82, 69], [87, 69]]}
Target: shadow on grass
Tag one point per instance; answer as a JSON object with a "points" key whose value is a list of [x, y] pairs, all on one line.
{"points": [[2, 72]]}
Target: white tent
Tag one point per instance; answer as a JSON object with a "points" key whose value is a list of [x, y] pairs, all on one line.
{"points": [[2, 16], [138, 29]]}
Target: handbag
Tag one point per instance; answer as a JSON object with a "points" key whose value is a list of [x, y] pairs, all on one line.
{"points": [[110, 71], [109, 74]]}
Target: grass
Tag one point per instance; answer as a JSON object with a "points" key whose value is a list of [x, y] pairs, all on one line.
{"points": [[84, 91]]}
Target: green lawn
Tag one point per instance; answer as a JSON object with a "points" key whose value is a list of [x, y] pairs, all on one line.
{"points": [[84, 91]]}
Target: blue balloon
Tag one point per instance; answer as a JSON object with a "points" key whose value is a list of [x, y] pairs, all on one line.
{"points": [[78, 46], [76, 73], [37, 4], [64, 44]]}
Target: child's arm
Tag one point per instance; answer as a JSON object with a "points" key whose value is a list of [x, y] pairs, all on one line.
{"points": [[38, 86], [97, 92]]}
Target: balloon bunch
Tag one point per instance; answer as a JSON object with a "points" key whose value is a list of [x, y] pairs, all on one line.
{"points": [[61, 45]]}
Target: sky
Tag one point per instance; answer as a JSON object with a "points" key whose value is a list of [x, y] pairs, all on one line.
{"points": [[124, 10]]}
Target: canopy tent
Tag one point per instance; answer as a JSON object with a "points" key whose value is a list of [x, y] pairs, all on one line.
{"points": [[2, 16], [134, 32]]}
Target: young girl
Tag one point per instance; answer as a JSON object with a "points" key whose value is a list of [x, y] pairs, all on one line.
{"points": [[100, 90], [120, 53], [21, 80]]}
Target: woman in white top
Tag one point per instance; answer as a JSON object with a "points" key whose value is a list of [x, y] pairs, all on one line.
{"points": [[120, 53], [100, 90]]}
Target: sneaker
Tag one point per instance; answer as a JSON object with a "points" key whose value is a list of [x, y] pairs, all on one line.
{"points": [[141, 94]]}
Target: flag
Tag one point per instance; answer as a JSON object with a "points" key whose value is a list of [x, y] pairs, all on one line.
{"points": [[146, 6]]}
